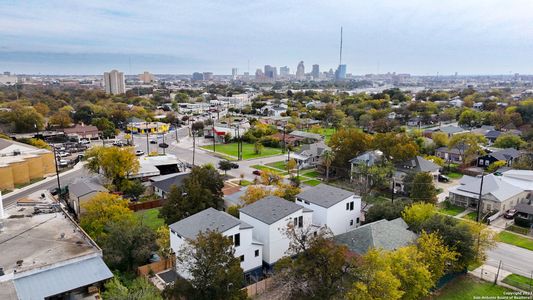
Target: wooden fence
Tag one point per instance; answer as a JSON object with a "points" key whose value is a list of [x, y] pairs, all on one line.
{"points": [[146, 205], [259, 287], [156, 267]]}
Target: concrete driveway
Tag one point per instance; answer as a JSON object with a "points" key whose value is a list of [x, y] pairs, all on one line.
{"points": [[445, 186]]}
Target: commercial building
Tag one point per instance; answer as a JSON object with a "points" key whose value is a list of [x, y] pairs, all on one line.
{"points": [[271, 72], [114, 82], [197, 76], [150, 127], [284, 72], [340, 73], [315, 73], [21, 163], [46, 255], [300, 71]]}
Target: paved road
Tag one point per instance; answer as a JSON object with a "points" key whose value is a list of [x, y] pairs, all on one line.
{"points": [[514, 259], [47, 183]]}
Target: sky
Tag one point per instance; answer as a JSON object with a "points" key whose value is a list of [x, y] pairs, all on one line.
{"points": [[421, 37]]}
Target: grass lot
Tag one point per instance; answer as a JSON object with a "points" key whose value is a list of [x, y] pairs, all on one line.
{"points": [[282, 165], [466, 287], [516, 240], [276, 171], [454, 175], [150, 217], [452, 210], [245, 182], [470, 216], [247, 150], [519, 281], [474, 266], [311, 173], [312, 182]]}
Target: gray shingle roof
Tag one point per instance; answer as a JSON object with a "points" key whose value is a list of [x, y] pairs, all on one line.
{"points": [[270, 209], [505, 154], [82, 188], [324, 195], [387, 235], [207, 219], [167, 182], [418, 164], [524, 208], [306, 135]]}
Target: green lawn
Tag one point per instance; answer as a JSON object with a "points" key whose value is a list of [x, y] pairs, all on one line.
{"points": [[247, 150], [452, 210], [150, 217], [454, 175], [470, 216], [311, 173], [519, 281], [312, 182], [466, 287], [245, 182], [282, 165], [516, 240], [276, 171], [377, 199]]}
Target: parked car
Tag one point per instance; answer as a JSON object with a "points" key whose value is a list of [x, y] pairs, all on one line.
{"points": [[153, 142], [256, 172], [443, 178], [139, 152], [234, 165], [54, 191], [510, 213], [84, 142], [62, 154], [63, 163]]}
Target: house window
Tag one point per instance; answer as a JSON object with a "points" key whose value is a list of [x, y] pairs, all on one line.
{"points": [[300, 221], [347, 206], [237, 239], [256, 253], [350, 205], [306, 202], [351, 222], [242, 258], [357, 221]]}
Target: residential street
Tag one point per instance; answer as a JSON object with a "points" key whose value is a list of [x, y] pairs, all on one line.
{"points": [[514, 259]]}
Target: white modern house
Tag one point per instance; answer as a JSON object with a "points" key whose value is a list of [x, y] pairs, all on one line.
{"points": [[337, 209], [248, 250], [270, 218]]}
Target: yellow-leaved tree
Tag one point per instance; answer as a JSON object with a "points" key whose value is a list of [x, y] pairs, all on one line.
{"points": [[101, 210]]}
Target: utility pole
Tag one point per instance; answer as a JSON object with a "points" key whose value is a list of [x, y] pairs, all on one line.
{"points": [[392, 190], [498, 273], [479, 203], [57, 173], [164, 148], [177, 141], [193, 146], [284, 145], [147, 141]]}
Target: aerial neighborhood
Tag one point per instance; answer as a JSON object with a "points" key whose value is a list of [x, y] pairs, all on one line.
{"points": [[255, 187]]}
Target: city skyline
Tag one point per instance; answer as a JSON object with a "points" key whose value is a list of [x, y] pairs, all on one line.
{"points": [[478, 37]]}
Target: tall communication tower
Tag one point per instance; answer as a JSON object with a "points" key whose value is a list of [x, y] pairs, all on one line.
{"points": [[340, 54]]}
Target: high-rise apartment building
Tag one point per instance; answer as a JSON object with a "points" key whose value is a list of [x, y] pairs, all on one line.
{"points": [[300, 71], [197, 76], [146, 77], [284, 72], [315, 72], [114, 82], [234, 72]]}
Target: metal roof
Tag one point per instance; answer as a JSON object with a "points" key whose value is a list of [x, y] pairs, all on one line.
{"points": [[324, 195], [167, 182], [270, 209], [53, 281]]}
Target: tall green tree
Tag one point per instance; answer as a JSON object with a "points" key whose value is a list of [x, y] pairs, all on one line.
{"points": [[128, 245], [321, 271], [26, 119], [468, 145], [509, 140], [105, 126], [201, 190], [422, 188], [327, 159], [215, 272], [396, 147], [347, 144]]}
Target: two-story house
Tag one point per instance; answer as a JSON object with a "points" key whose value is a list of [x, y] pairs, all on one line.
{"points": [[270, 218], [248, 250], [335, 208]]}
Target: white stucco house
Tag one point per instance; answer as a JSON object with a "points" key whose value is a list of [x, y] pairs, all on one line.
{"points": [[247, 249], [270, 218], [337, 209]]}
